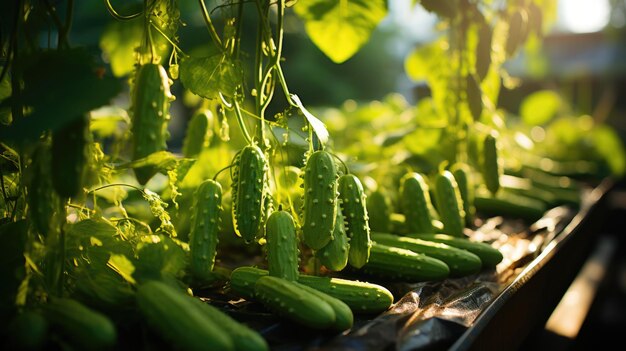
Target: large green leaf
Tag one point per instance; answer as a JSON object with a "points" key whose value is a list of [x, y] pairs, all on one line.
{"points": [[59, 87], [209, 76], [340, 27], [540, 107]]}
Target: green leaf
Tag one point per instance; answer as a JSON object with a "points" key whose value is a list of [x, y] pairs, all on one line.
{"points": [[209, 76], [609, 145], [318, 126], [540, 107], [5, 92], [340, 27], [59, 87], [105, 122], [159, 258], [421, 61], [122, 266]]}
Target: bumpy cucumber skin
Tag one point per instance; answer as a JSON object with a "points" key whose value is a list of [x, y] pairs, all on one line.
{"points": [[177, 318], [361, 297], [198, 134], [151, 99], [379, 211], [489, 255], [463, 176], [491, 168], [289, 300], [79, 325], [248, 194], [320, 200], [460, 262], [401, 264], [244, 338], [69, 156], [449, 204], [204, 228], [335, 254], [344, 319], [354, 210], [415, 203], [282, 246]]}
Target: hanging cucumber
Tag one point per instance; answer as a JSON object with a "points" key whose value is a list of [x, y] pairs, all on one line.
{"points": [[320, 200], [354, 210], [69, 156], [204, 228], [249, 192], [334, 255], [491, 168], [199, 133], [150, 113]]}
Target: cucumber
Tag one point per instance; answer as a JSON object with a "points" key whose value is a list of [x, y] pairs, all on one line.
{"points": [[175, 317], [463, 176], [294, 303], [354, 210], [244, 338], [491, 167], [42, 199], [27, 331], [204, 228], [199, 133], [359, 296], [489, 255], [415, 203], [509, 205], [69, 157], [344, 319], [80, 326], [460, 262], [150, 114], [320, 200], [282, 246], [335, 254], [449, 204], [401, 264], [379, 211], [249, 192]]}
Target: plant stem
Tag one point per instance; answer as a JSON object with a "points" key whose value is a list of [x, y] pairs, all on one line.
{"points": [[241, 122], [117, 16], [210, 27]]}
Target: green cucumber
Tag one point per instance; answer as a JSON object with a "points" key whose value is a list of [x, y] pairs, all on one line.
{"points": [[401, 264], [509, 205], [294, 303], [491, 167], [80, 326], [335, 254], [199, 133], [344, 319], [204, 228], [489, 255], [282, 246], [28, 331], [150, 114], [42, 200], [244, 338], [249, 192], [415, 203], [359, 296], [463, 176], [320, 200], [460, 262], [176, 317], [69, 157], [449, 204], [379, 211], [354, 210]]}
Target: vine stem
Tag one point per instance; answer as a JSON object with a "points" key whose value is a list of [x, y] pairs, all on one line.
{"points": [[166, 37], [241, 122], [112, 185], [210, 26], [117, 16]]}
